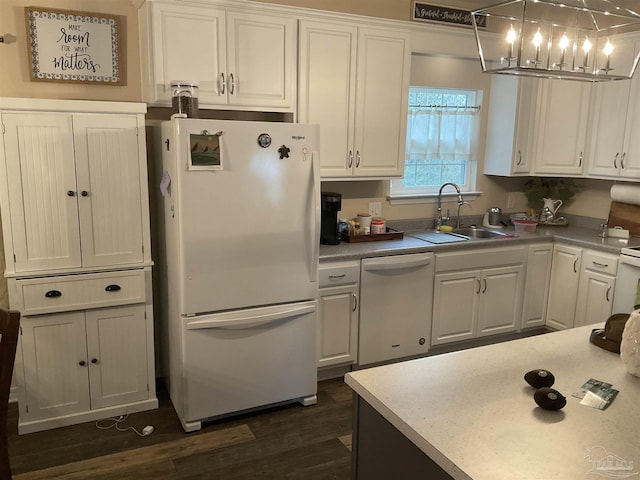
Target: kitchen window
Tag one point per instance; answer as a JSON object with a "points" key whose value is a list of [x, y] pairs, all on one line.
{"points": [[442, 142]]}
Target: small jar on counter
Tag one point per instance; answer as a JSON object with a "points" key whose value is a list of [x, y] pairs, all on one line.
{"points": [[378, 225]]}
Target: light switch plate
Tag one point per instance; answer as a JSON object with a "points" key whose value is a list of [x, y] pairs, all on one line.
{"points": [[375, 209]]}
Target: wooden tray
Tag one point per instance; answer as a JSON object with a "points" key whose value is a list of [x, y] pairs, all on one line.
{"points": [[626, 216], [390, 235]]}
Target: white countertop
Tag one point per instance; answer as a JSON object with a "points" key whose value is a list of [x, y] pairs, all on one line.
{"points": [[474, 415]]}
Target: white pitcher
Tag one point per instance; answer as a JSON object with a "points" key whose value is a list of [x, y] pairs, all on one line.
{"points": [[552, 205]]}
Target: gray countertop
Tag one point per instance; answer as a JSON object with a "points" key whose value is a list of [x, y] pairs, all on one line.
{"points": [[579, 236], [473, 414]]}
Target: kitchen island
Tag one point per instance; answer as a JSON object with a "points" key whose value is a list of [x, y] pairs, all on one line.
{"points": [[470, 415]]}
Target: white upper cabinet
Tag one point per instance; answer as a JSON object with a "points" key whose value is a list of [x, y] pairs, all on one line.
{"points": [[614, 149], [75, 191], [240, 59], [354, 83], [511, 126], [560, 143]]}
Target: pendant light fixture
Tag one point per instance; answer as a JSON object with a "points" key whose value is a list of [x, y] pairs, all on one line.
{"points": [[586, 40]]}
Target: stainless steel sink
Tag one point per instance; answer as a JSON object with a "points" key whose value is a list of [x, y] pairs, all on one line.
{"points": [[478, 232]]}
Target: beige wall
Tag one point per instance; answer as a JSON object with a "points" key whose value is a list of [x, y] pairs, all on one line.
{"points": [[14, 61]]}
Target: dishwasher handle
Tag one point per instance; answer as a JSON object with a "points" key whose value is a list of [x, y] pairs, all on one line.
{"points": [[396, 262], [250, 321]]}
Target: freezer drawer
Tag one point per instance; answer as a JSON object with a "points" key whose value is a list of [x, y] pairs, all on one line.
{"points": [[245, 359], [395, 307]]}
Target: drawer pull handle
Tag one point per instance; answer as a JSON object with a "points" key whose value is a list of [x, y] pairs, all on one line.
{"points": [[337, 277], [94, 360], [598, 264], [82, 363], [112, 288], [53, 294]]}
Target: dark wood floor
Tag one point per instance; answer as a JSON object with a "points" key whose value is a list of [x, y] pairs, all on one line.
{"points": [[288, 442]]}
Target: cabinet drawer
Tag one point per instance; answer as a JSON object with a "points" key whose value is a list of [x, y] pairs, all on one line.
{"points": [[78, 292], [480, 258], [600, 262], [339, 273]]}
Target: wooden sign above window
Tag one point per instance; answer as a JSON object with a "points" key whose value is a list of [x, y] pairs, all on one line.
{"points": [[74, 47], [425, 12]]}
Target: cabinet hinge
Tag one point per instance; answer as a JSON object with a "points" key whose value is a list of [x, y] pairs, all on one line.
{"points": [[137, 133], [26, 407], [2, 128], [14, 258], [147, 387]]}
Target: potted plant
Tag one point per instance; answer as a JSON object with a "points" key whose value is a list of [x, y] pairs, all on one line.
{"points": [[538, 188]]}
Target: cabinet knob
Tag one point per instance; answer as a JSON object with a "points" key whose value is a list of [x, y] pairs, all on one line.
{"points": [[112, 288], [71, 193], [94, 360], [53, 294], [84, 193], [82, 363]]}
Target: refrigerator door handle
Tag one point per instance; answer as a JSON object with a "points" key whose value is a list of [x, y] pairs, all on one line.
{"points": [[315, 228], [250, 321]]}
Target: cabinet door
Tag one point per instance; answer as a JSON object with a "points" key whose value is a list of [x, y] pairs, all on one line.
{"points": [[55, 366], [563, 290], [109, 197], [188, 43], [630, 164], [563, 121], [384, 60], [536, 289], [117, 353], [510, 128], [338, 326], [42, 191], [326, 91], [595, 298], [261, 59], [455, 306], [608, 110], [500, 305]]}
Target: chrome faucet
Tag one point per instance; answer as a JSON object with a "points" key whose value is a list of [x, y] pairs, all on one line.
{"points": [[440, 219]]}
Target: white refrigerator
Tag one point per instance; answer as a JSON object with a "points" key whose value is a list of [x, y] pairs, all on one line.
{"points": [[238, 264]]}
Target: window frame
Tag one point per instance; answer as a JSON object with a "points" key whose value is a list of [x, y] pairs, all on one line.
{"points": [[406, 195]]}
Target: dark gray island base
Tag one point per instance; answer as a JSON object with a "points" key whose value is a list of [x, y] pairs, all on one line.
{"points": [[470, 415], [381, 452]]}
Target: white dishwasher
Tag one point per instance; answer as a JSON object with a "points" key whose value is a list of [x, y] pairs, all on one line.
{"points": [[395, 307]]}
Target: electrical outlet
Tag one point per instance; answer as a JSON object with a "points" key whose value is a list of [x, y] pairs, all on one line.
{"points": [[511, 201], [375, 209]]}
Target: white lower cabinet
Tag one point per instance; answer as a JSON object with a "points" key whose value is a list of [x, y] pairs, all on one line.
{"points": [[563, 288], [477, 293], [581, 287], [337, 340], [536, 289], [83, 361], [596, 287]]}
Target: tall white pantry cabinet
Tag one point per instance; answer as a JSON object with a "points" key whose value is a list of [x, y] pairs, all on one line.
{"points": [[75, 222]]}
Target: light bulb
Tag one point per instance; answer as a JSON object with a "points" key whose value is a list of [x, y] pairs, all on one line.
{"points": [[511, 35], [608, 48], [564, 42], [586, 46], [537, 39]]}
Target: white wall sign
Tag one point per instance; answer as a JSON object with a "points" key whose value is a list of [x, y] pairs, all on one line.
{"points": [[76, 47], [435, 13]]}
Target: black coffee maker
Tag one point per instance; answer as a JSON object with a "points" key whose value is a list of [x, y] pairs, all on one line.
{"points": [[330, 206]]}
